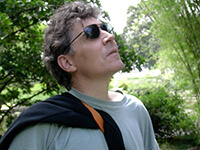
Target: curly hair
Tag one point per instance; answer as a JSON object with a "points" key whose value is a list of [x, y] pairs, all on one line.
{"points": [[57, 37]]}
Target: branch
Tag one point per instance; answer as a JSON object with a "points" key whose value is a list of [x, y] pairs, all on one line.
{"points": [[13, 33], [20, 30], [21, 102], [6, 84], [151, 17], [2, 78]]}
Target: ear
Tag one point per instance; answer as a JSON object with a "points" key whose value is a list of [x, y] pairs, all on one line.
{"points": [[65, 62]]}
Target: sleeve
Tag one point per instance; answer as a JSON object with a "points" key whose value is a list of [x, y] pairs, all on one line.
{"points": [[31, 138], [150, 142]]}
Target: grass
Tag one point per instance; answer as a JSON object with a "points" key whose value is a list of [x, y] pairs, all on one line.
{"points": [[177, 146]]}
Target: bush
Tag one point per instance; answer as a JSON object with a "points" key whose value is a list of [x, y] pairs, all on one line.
{"points": [[166, 107]]}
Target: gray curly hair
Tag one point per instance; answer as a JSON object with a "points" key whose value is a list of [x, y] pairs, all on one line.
{"points": [[57, 36]]}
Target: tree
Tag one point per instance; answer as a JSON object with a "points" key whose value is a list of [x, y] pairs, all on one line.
{"points": [[176, 24], [22, 26], [139, 37], [21, 31], [128, 55]]}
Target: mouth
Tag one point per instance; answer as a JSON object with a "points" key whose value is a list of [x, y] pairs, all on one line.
{"points": [[113, 51]]}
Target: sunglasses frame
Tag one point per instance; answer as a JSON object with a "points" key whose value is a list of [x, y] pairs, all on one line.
{"points": [[98, 26]]}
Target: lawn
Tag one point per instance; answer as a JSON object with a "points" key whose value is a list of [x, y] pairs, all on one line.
{"points": [[178, 146]]}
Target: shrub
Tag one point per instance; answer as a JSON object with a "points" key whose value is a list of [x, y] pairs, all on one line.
{"points": [[166, 107]]}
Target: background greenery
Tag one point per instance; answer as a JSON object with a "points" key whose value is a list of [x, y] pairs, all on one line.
{"points": [[166, 33], [174, 119], [159, 34]]}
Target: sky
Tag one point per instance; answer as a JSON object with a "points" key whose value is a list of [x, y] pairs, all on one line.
{"points": [[117, 11]]}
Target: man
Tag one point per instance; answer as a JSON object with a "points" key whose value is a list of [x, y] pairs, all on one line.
{"points": [[81, 54]]}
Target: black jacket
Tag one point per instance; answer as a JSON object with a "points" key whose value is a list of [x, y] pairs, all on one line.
{"points": [[54, 109]]}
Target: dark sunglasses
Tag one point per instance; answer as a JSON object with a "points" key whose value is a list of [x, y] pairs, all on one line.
{"points": [[93, 32]]}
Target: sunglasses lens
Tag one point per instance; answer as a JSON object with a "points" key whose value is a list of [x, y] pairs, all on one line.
{"points": [[92, 31], [107, 27]]}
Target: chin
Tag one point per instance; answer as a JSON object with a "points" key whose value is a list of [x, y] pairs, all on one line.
{"points": [[119, 67]]}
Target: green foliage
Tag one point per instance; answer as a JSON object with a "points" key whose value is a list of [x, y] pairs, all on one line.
{"points": [[139, 37], [171, 118], [21, 31], [128, 55], [176, 24]]}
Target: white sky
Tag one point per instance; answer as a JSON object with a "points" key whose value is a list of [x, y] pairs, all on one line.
{"points": [[117, 11]]}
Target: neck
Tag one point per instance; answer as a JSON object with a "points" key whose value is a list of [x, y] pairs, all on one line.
{"points": [[94, 88]]}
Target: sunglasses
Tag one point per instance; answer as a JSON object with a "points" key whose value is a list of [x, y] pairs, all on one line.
{"points": [[93, 32]]}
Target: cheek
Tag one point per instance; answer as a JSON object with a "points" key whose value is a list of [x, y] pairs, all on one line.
{"points": [[86, 58], [89, 52], [92, 53]]}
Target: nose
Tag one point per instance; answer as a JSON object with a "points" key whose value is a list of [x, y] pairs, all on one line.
{"points": [[107, 37]]}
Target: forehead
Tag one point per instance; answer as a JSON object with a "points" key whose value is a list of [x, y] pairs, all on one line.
{"points": [[89, 21], [81, 24]]}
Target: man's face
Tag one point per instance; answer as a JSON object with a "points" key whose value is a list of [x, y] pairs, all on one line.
{"points": [[95, 58]]}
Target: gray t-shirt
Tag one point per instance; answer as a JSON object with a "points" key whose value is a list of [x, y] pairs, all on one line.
{"points": [[130, 115]]}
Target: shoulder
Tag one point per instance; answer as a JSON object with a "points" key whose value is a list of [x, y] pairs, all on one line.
{"points": [[31, 136], [39, 136], [119, 95], [131, 99], [54, 136], [137, 105]]}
